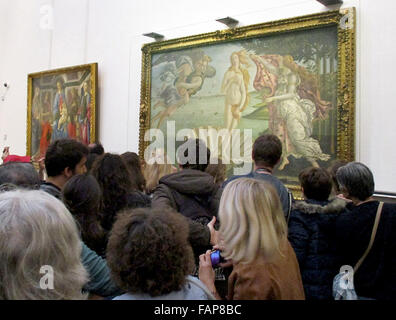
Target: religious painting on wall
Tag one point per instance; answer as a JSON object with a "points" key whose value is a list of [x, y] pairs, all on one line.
{"points": [[61, 104], [294, 78]]}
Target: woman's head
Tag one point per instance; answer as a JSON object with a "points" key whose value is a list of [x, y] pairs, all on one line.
{"points": [[234, 59], [109, 169], [217, 170], [59, 83], [114, 180], [252, 220], [134, 166], [316, 183], [239, 57], [157, 166], [356, 181], [332, 170], [36, 230], [82, 196], [148, 251]]}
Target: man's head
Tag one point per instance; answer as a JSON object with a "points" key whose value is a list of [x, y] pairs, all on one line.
{"points": [[66, 157], [196, 155], [19, 174], [267, 150]]}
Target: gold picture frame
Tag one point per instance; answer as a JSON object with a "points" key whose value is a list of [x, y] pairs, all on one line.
{"points": [[332, 66], [62, 103]]}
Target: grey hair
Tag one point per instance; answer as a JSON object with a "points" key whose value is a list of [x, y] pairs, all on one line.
{"points": [[356, 179], [20, 174], [37, 230]]}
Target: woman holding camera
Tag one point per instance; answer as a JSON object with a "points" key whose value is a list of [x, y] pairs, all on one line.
{"points": [[254, 232]]}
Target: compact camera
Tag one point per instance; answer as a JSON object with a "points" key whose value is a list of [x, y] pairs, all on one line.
{"points": [[216, 258]]}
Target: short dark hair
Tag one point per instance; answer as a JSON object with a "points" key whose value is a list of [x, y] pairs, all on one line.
{"points": [[200, 148], [356, 179], [21, 174], [148, 251], [63, 153], [316, 182], [267, 150], [96, 148]]}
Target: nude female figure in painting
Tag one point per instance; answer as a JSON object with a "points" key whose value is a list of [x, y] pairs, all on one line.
{"points": [[235, 87]]}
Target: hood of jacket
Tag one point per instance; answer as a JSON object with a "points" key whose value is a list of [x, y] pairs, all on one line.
{"points": [[188, 181], [335, 205]]}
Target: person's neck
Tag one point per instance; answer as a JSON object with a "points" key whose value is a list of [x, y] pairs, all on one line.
{"points": [[265, 168], [358, 202], [236, 68], [58, 181]]}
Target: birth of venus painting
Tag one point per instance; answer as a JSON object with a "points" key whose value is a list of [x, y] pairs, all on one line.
{"points": [[293, 78]]}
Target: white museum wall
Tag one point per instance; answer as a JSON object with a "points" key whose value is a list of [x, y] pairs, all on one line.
{"points": [[109, 32]]}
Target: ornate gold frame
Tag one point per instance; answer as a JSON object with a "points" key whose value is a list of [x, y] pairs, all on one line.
{"points": [[93, 68], [345, 21]]}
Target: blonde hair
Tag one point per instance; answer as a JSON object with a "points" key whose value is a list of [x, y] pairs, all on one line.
{"points": [[37, 230], [156, 167], [252, 222]]}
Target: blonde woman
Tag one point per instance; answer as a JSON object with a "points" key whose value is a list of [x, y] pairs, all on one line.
{"points": [[38, 239], [235, 87], [155, 168], [254, 231]]}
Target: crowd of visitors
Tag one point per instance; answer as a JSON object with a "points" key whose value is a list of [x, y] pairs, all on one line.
{"points": [[109, 226]]}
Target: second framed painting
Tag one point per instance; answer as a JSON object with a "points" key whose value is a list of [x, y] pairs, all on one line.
{"points": [[294, 78], [61, 104]]}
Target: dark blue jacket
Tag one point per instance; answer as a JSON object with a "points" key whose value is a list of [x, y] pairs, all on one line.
{"points": [[312, 235], [285, 195]]}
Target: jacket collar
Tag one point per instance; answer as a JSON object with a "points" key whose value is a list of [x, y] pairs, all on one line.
{"points": [[335, 205]]}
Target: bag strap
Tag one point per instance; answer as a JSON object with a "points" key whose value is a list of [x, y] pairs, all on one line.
{"points": [[373, 233]]}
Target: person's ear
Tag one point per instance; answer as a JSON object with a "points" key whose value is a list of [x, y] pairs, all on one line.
{"points": [[67, 172], [344, 192], [303, 193]]}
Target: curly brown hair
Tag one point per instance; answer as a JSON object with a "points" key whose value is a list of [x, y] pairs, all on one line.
{"points": [[132, 161], [148, 251], [114, 180]]}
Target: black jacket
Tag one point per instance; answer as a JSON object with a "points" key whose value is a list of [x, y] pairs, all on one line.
{"points": [[376, 277], [52, 189], [194, 194], [312, 235]]}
